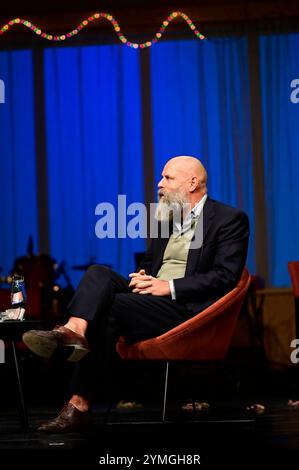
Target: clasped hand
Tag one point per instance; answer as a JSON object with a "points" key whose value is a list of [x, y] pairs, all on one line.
{"points": [[141, 283]]}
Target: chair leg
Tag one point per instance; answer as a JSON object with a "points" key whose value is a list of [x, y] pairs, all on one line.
{"points": [[165, 392], [163, 417], [23, 414], [107, 413]]}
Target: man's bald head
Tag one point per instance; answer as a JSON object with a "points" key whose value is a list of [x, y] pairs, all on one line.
{"points": [[184, 180], [189, 167], [183, 185]]}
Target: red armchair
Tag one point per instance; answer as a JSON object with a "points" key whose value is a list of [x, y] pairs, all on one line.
{"points": [[204, 337]]}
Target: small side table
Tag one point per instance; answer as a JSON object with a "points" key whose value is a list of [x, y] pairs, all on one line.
{"points": [[11, 331]]}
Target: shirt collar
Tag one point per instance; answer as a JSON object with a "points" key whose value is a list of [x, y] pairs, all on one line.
{"points": [[195, 212], [197, 209]]}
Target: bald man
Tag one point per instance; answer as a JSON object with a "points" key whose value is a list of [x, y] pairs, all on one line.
{"points": [[175, 281]]}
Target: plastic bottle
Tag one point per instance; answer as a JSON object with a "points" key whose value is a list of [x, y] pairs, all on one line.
{"points": [[18, 292]]}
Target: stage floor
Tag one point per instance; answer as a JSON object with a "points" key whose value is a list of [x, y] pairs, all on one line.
{"points": [[226, 434]]}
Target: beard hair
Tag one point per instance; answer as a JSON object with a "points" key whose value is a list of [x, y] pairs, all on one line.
{"points": [[171, 206]]}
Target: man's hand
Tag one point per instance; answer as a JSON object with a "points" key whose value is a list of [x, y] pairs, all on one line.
{"points": [[137, 276], [143, 284]]}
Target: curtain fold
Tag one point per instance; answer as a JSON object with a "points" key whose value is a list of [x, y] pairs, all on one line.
{"points": [[18, 207], [201, 107], [200, 99], [94, 150], [279, 65]]}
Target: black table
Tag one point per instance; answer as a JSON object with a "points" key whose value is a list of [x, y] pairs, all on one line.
{"points": [[11, 331]]}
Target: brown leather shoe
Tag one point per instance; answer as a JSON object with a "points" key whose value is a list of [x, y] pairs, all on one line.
{"points": [[69, 419], [45, 343]]}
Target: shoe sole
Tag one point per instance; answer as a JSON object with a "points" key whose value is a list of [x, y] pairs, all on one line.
{"points": [[44, 347], [46, 428], [77, 353]]}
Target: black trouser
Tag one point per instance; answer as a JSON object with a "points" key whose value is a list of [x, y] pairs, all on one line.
{"points": [[105, 300]]}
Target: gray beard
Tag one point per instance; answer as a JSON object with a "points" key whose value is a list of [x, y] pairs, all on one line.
{"points": [[170, 207]]}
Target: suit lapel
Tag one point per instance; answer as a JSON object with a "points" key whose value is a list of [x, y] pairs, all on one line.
{"points": [[207, 219], [208, 216]]}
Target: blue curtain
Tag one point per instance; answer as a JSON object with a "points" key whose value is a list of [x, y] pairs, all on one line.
{"points": [[279, 64], [18, 208], [94, 150], [201, 107]]}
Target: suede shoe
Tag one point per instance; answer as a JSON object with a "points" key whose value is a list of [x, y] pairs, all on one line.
{"points": [[69, 419], [45, 343]]}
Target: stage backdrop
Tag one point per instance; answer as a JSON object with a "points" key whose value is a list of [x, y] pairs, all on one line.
{"points": [[95, 125], [201, 107], [279, 64], [18, 205], [94, 149]]}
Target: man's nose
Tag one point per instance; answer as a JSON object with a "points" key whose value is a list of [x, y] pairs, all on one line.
{"points": [[160, 184]]}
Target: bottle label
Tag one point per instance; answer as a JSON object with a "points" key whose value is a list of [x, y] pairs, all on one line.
{"points": [[17, 298]]}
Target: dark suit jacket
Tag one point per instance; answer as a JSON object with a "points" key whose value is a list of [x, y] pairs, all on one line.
{"points": [[216, 267]]}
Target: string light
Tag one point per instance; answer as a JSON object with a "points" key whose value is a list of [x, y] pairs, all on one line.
{"points": [[106, 16]]}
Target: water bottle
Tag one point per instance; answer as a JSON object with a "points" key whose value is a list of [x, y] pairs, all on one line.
{"points": [[18, 292]]}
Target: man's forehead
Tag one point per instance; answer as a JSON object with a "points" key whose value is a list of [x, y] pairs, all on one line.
{"points": [[172, 168], [169, 167]]}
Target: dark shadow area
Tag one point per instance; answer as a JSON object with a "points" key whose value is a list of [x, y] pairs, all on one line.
{"points": [[226, 433]]}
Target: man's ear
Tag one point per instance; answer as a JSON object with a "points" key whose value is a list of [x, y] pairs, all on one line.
{"points": [[194, 183]]}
